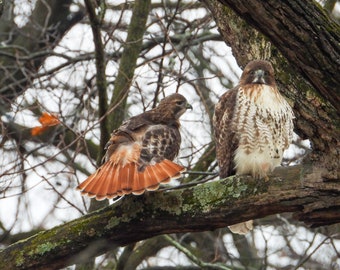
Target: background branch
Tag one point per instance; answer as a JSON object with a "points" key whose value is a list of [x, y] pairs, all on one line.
{"points": [[45, 33]]}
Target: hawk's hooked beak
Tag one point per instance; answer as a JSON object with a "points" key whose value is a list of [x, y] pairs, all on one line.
{"points": [[188, 106], [259, 76]]}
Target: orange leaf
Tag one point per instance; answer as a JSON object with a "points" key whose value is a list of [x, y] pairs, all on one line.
{"points": [[38, 130], [47, 119]]}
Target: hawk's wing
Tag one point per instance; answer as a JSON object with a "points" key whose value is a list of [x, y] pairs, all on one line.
{"points": [[225, 136], [159, 142], [135, 123]]}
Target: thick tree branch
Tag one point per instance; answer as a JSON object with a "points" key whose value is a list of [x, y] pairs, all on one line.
{"points": [[199, 208]]}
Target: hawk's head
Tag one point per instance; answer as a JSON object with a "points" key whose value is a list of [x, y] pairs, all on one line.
{"points": [[258, 72], [174, 105]]}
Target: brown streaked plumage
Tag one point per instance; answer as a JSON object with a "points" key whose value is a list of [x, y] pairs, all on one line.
{"points": [[140, 153], [253, 126]]}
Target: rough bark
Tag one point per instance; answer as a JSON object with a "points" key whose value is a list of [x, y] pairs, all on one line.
{"points": [[204, 207], [315, 106]]}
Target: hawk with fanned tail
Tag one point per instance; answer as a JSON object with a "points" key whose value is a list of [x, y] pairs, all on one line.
{"points": [[253, 126], [140, 153]]}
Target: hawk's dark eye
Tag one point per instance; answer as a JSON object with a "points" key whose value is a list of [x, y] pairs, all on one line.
{"points": [[180, 102], [266, 73]]}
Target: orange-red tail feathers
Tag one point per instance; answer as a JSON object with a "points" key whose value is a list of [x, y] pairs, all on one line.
{"points": [[112, 180], [120, 176]]}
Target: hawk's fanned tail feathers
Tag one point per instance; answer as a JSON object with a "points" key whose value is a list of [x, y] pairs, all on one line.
{"points": [[161, 172], [120, 175], [112, 180]]}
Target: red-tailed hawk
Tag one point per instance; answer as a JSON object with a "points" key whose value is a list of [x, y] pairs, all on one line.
{"points": [[140, 153], [253, 126]]}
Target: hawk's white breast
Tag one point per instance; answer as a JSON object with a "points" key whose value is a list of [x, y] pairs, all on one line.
{"points": [[263, 124]]}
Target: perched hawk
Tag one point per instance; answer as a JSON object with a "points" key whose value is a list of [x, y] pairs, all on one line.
{"points": [[140, 153], [253, 126]]}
